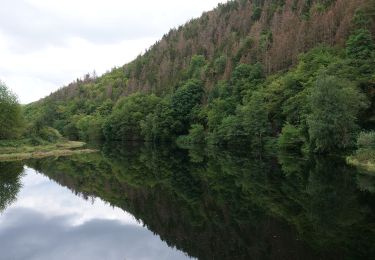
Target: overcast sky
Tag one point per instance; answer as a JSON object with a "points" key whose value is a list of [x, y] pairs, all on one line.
{"points": [[46, 44]]}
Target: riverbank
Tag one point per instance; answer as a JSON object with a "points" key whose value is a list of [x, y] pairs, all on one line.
{"points": [[363, 159], [22, 151]]}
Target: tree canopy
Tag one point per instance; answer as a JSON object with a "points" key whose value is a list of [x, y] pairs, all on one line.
{"points": [[11, 122]]}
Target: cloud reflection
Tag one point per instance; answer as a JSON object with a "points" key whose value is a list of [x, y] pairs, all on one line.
{"points": [[49, 222]]}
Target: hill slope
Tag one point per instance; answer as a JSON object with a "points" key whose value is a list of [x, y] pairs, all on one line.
{"points": [[273, 32], [232, 74]]}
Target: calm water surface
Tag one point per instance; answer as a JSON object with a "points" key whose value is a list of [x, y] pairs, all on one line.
{"points": [[155, 202]]}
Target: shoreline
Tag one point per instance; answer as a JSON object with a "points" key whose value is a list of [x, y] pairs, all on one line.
{"points": [[25, 152], [363, 159]]}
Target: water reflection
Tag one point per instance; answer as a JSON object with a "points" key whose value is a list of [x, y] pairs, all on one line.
{"points": [[10, 174], [213, 204], [49, 222]]}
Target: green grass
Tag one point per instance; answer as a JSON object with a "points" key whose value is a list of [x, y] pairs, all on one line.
{"points": [[363, 159], [22, 150]]}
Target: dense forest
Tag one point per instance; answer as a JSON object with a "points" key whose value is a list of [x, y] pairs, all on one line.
{"points": [[294, 74]]}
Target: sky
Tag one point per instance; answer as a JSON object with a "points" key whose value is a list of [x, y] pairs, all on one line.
{"points": [[46, 44]]}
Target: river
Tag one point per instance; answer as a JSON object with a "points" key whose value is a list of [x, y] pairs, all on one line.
{"points": [[139, 201]]}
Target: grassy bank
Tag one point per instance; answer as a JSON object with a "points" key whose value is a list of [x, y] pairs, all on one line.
{"points": [[363, 159], [22, 150]]}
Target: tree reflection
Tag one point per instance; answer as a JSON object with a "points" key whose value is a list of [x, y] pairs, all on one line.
{"points": [[10, 175], [216, 204]]}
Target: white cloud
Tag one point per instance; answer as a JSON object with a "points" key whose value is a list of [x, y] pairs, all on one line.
{"points": [[46, 44]]}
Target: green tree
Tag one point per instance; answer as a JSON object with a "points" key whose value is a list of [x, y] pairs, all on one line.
{"points": [[161, 124], [360, 45], [217, 111], [334, 105], [230, 131], [11, 121], [255, 119], [291, 139], [246, 77], [360, 49], [183, 101], [90, 127], [196, 64], [220, 64], [196, 135], [125, 120]]}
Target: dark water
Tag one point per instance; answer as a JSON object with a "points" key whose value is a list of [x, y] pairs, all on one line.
{"points": [[147, 202]]}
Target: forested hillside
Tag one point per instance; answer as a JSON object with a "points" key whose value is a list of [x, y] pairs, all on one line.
{"points": [[297, 73]]}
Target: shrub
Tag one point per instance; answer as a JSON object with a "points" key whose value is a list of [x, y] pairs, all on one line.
{"points": [[196, 135], [49, 134], [257, 12], [366, 140], [290, 138]]}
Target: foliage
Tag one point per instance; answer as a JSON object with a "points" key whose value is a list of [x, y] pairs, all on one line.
{"points": [[360, 45], [50, 134], [257, 12], [160, 125], [196, 64], [265, 40], [196, 135], [229, 131], [360, 48], [125, 121], [364, 156], [217, 111], [291, 139], [366, 140], [246, 78], [183, 101], [220, 64], [255, 119], [334, 107], [11, 121], [90, 127]]}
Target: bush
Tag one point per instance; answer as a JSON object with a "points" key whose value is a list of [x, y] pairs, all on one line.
{"points": [[290, 139], [49, 134], [366, 140], [71, 131], [257, 12], [360, 45], [125, 121], [90, 127], [220, 64], [196, 135], [160, 125], [245, 78]]}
